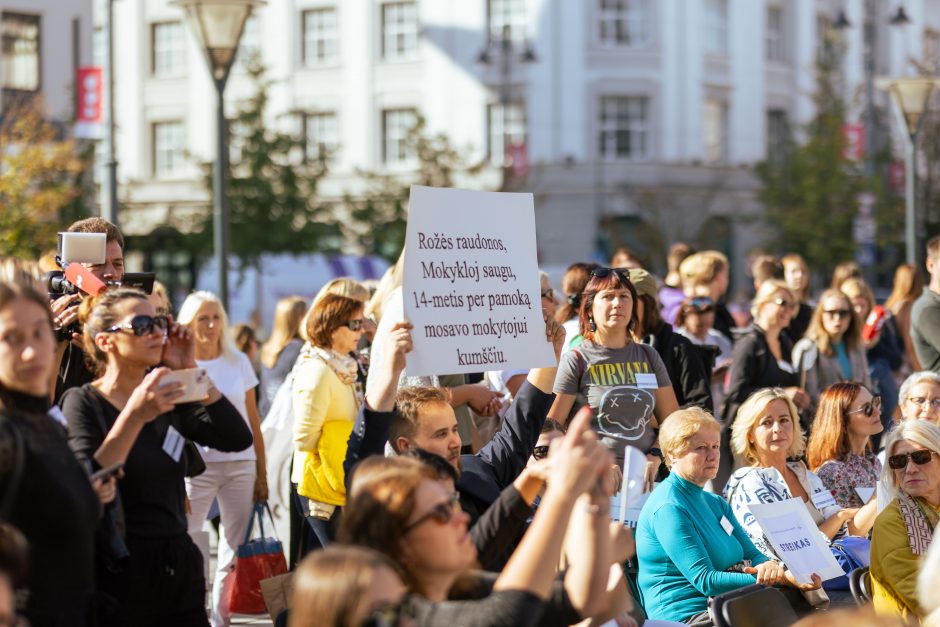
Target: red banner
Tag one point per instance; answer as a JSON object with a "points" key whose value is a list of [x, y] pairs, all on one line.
{"points": [[88, 116], [854, 136]]}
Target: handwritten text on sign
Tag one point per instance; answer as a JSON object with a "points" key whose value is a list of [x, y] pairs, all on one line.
{"points": [[471, 284]]}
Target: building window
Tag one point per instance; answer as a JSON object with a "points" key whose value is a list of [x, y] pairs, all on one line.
{"points": [[507, 20], [249, 46], [321, 134], [932, 49], [778, 133], [506, 124], [169, 53], [716, 26], [396, 124], [169, 148], [623, 127], [19, 51], [399, 30], [321, 36], [623, 22], [775, 35], [715, 125]]}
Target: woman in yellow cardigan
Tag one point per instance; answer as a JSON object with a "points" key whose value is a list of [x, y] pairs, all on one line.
{"points": [[903, 531], [326, 399]]}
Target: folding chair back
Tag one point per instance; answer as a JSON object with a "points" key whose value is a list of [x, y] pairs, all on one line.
{"points": [[752, 606]]}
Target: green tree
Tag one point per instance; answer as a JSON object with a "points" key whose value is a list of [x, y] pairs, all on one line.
{"points": [[378, 215], [274, 205], [40, 177]]}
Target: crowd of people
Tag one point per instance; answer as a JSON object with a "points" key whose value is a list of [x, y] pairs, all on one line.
{"points": [[481, 499]]}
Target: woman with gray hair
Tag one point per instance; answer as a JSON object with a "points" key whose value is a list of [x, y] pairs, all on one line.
{"points": [[904, 530], [919, 397]]}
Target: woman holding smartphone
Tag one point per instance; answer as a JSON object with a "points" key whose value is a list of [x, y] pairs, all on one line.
{"points": [[127, 415], [236, 479]]}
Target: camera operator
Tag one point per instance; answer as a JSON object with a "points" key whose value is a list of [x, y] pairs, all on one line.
{"points": [[73, 370]]}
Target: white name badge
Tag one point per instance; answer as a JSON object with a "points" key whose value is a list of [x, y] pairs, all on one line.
{"points": [[864, 493], [173, 444], [823, 499], [646, 381], [726, 525]]}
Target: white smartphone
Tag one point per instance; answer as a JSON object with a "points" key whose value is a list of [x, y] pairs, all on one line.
{"points": [[82, 247], [195, 380]]}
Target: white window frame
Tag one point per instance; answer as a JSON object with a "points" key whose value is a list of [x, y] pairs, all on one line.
{"points": [[321, 134], [21, 64], [399, 31], [504, 122], [627, 118], [396, 123], [623, 23], [715, 122], [320, 36], [716, 27], [168, 48], [169, 162], [775, 34]]}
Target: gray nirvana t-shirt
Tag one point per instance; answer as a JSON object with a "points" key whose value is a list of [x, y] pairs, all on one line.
{"points": [[620, 386]]}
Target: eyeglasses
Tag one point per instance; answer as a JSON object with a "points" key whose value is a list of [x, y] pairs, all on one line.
{"points": [[899, 462], [356, 324], [868, 408], [442, 513], [540, 452], [549, 293], [142, 325], [603, 273], [700, 305], [837, 313], [926, 403]]}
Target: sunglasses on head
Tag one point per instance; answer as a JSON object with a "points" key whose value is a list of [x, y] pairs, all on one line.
{"points": [[356, 324], [868, 408], [783, 302], [899, 462], [442, 513], [540, 452], [603, 273], [142, 325], [549, 293]]}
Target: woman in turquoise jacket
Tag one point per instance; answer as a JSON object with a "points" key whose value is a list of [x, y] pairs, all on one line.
{"points": [[689, 544]]}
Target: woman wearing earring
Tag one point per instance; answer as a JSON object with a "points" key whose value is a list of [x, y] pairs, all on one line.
{"points": [[624, 382]]}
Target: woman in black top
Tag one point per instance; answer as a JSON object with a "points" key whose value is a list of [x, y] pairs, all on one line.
{"points": [[761, 359], [44, 491], [127, 416]]}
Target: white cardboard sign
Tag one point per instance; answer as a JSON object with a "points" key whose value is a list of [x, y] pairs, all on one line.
{"points": [[796, 539], [627, 504], [471, 285]]}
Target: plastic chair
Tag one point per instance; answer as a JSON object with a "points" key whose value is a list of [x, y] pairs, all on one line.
{"points": [[860, 585], [752, 606]]}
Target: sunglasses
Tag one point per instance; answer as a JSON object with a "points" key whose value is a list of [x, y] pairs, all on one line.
{"points": [[868, 408], [355, 325], [549, 293], [899, 462], [783, 302], [603, 273], [142, 325], [540, 452], [921, 401], [837, 313], [442, 513], [700, 305]]}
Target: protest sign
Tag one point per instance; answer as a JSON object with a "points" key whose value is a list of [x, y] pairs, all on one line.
{"points": [[865, 493], [626, 505], [471, 284], [796, 539]]}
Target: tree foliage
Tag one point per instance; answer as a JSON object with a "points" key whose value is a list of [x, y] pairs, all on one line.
{"points": [[40, 177], [274, 205], [378, 214]]}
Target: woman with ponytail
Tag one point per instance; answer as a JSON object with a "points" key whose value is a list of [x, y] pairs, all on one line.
{"points": [[44, 491], [130, 415]]}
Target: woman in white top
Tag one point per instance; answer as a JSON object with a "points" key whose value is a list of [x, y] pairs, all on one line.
{"points": [[237, 480]]}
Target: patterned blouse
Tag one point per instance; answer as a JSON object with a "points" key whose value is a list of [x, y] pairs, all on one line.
{"points": [[766, 485], [855, 471]]}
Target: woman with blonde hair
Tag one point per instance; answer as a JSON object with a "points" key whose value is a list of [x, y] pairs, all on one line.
{"points": [[908, 286], [766, 434], [280, 352], [706, 273], [919, 397], [840, 450], [238, 479], [832, 350], [904, 530]]}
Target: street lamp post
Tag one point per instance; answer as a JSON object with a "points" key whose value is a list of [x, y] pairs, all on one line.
{"points": [[218, 25], [911, 99]]}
